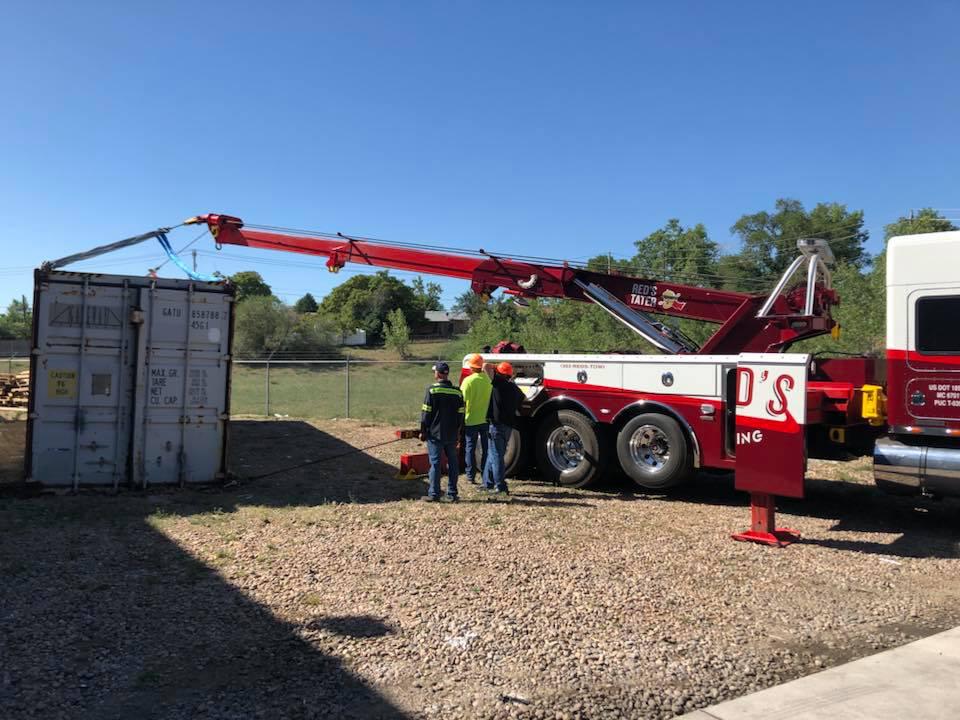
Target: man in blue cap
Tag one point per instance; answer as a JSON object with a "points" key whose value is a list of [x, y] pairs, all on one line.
{"points": [[441, 420]]}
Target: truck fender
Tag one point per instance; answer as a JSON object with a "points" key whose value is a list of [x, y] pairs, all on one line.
{"points": [[563, 402]]}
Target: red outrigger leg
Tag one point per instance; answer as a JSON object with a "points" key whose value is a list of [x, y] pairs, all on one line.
{"points": [[763, 523]]}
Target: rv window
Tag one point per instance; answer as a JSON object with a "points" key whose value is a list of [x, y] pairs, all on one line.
{"points": [[938, 324]]}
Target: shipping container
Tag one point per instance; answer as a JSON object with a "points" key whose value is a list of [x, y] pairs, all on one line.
{"points": [[130, 380]]}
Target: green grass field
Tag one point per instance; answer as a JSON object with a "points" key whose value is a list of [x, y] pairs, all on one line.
{"points": [[379, 392]]}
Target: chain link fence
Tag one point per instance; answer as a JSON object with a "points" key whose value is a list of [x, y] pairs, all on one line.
{"points": [[14, 356], [377, 390]]}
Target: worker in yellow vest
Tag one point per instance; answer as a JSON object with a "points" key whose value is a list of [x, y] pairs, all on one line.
{"points": [[476, 388]]}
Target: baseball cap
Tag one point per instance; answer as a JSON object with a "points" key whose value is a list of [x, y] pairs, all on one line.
{"points": [[441, 367]]}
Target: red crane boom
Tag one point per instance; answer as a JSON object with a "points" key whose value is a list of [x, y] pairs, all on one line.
{"points": [[748, 322]]}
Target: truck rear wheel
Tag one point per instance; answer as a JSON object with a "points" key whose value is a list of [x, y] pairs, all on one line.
{"points": [[512, 456], [569, 451], [513, 453], [652, 450]]}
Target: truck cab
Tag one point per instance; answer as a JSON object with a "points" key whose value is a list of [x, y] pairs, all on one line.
{"points": [[921, 453]]}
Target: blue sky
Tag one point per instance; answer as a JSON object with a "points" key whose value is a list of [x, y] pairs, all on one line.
{"points": [[553, 128]]}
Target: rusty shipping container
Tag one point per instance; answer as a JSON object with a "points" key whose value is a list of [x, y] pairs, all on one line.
{"points": [[130, 380]]}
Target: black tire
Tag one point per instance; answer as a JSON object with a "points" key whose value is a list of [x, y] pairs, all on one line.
{"points": [[653, 452], [513, 453], [511, 457], [569, 449]]}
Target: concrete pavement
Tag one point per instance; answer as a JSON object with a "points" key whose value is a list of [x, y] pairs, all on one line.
{"points": [[918, 681]]}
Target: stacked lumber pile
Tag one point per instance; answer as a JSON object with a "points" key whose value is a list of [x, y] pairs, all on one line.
{"points": [[14, 389]]}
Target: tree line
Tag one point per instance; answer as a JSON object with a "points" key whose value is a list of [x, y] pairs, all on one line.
{"points": [[686, 254], [381, 305], [17, 322]]}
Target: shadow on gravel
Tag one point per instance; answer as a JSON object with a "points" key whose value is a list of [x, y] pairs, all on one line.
{"points": [[925, 528], [355, 626], [283, 447], [102, 616]]}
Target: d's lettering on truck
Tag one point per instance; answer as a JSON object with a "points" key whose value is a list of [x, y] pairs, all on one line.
{"points": [[744, 386], [778, 406]]}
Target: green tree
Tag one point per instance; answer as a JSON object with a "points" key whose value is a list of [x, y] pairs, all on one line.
{"points": [[313, 333], [306, 304], [471, 304], [364, 301], [860, 314], [397, 333], [427, 294], [499, 321], [673, 253], [863, 298], [17, 322], [926, 220], [678, 254], [573, 326], [770, 239], [249, 283], [263, 325]]}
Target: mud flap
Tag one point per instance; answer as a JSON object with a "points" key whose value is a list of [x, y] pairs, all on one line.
{"points": [[770, 438]]}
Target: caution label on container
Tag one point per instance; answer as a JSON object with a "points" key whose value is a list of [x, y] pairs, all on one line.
{"points": [[62, 384]]}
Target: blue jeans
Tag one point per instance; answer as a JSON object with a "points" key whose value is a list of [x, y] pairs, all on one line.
{"points": [[494, 472], [434, 448], [475, 434]]}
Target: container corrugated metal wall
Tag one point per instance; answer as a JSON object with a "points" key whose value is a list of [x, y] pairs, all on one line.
{"points": [[130, 380]]}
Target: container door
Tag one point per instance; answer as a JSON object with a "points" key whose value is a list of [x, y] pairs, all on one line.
{"points": [[82, 386], [932, 372], [182, 382]]}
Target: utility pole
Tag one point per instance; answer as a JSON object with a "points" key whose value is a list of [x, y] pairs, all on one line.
{"points": [[194, 260]]}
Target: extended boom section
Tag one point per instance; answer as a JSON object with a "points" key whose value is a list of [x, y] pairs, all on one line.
{"points": [[748, 322]]}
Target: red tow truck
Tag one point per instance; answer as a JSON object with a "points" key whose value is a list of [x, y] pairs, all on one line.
{"points": [[740, 401]]}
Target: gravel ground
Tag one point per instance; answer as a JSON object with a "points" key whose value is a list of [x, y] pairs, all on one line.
{"points": [[330, 591]]}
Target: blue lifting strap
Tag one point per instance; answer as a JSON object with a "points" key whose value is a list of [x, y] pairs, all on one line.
{"points": [[180, 264]]}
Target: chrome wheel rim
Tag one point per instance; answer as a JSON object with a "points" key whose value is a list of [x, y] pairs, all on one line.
{"points": [[649, 448], [565, 448]]}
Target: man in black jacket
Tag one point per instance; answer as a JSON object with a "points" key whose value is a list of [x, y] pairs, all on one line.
{"points": [[441, 419], [502, 414]]}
